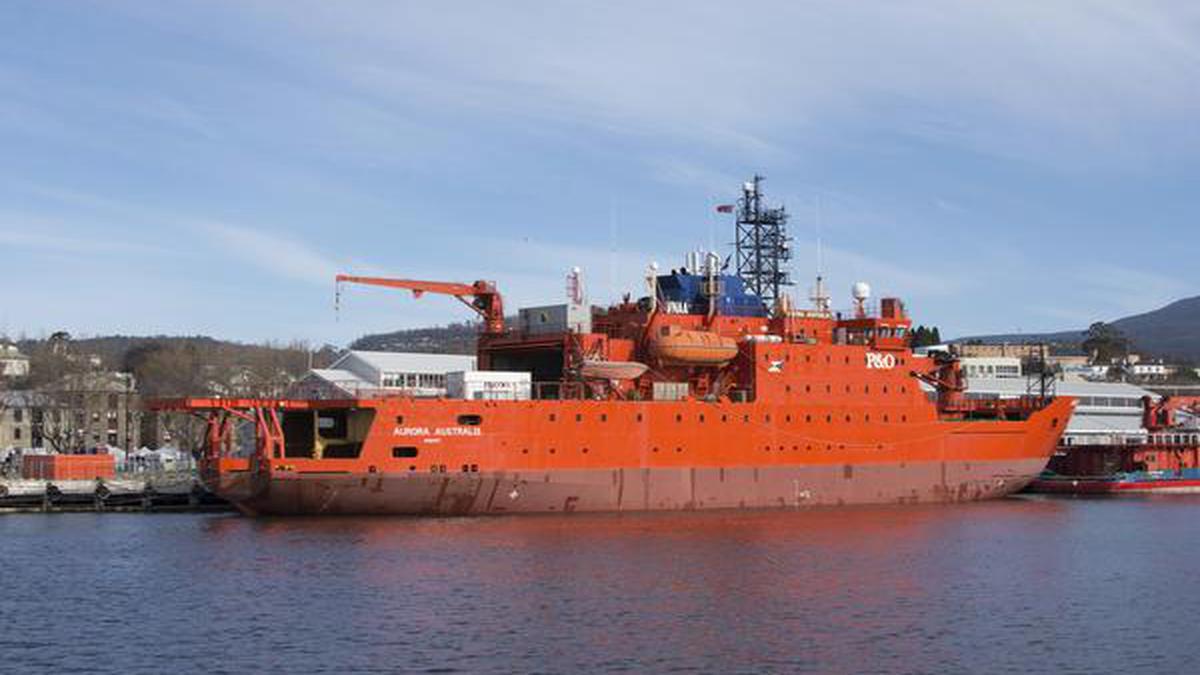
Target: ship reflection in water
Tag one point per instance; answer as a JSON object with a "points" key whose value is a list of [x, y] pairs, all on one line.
{"points": [[1017, 585]]}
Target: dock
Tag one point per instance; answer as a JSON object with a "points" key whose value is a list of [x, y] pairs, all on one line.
{"points": [[165, 491]]}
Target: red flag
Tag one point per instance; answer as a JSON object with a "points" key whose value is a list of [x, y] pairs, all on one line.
{"points": [[725, 208]]}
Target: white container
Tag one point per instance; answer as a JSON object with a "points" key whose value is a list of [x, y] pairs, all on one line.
{"points": [[489, 385]]}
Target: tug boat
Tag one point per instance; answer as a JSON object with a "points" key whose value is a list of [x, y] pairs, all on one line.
{"points": [[709, 392]]}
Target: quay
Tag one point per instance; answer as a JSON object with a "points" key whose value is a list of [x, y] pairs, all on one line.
{"points": [[159, 491]]}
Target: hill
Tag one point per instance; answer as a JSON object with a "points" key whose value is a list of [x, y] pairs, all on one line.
{"points": [[1170, 332], [456, 338]]}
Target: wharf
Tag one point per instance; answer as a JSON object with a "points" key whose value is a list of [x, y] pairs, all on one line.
{"points": [[142, 492]]}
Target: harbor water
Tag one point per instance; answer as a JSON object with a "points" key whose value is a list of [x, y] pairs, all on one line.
{"points": [[1017, 585]]}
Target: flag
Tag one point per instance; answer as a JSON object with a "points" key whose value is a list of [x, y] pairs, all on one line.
{"points": [[725, 208]]}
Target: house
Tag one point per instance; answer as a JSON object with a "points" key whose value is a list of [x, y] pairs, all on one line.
{"points": [[13, 363]]}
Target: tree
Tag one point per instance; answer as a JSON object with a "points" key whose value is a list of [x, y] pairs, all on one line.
{"points": [[1105, 344], [926, 337]]}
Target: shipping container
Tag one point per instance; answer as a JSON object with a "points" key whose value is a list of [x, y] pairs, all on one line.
{"points": [[492, 385]]}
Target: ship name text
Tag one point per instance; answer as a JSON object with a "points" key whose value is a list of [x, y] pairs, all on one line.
{"points": [[437, 431]]}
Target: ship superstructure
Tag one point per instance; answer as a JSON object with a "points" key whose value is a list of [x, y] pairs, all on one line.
{"points": [[710, 391]]}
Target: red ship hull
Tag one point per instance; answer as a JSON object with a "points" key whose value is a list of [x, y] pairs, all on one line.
{"points": [[663, 465]]}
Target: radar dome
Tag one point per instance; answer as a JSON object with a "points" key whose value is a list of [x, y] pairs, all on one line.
{"points": [[861, 290]]}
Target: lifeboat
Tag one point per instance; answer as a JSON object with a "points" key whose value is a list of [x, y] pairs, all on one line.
{"points": [[612, 370], [693, 347]]}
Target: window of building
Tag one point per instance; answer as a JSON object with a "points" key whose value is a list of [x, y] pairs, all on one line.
{"points": [[112, 401], [18, 414]]}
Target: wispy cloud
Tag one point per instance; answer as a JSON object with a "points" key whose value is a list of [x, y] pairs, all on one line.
{"points": [[275, 254]]}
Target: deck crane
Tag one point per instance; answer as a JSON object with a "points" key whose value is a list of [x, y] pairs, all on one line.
{"points": [[485, 299]]}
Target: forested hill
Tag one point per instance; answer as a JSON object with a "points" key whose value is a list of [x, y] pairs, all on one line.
{"points": [[456, 338], [1171, 332]]}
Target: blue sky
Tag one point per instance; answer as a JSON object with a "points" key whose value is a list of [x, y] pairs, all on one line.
{"points": [[207, 167]]}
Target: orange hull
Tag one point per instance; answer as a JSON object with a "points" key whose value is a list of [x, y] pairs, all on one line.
{"points": [[600, 456]]}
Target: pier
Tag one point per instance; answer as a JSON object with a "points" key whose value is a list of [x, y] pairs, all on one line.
{"points": [[158, 491]]}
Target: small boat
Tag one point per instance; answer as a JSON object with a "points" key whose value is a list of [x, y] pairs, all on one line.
{"points": [[694, 347], [612, 370]]}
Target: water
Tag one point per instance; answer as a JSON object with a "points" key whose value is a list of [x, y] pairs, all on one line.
{"points": [[1018, 585]]}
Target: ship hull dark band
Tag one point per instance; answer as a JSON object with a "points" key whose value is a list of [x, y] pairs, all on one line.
{"points": [[638, 489]]}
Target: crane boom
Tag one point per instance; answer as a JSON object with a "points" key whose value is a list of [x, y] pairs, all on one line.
{"points": [[485, 299]]}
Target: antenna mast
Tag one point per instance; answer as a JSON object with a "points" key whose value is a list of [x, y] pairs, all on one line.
{"points": [[763, 247]]}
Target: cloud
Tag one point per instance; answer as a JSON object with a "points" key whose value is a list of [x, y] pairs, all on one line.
{"points": [[275, 254], [1001, 78]]}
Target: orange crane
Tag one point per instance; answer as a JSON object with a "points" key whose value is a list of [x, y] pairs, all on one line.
{"points": [[485, 299]]}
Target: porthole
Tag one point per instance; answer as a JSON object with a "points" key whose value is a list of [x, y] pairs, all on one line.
{"points": [[470, 420], [404, 451], [578, 417]]}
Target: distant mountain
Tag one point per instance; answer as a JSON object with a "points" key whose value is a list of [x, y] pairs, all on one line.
{"points": [[1170, 332]]}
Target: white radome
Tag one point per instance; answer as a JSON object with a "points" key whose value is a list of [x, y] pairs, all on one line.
{"points": [[861, 290]]}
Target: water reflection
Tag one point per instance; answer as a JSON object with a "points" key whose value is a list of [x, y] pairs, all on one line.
{"points": [[1010, 585]]}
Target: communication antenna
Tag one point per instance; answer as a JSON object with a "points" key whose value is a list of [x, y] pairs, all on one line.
{"points": [[820, 296], [762, 246]]}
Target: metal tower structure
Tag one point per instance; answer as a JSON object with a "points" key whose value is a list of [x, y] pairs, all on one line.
{"points": [[763, 247]]}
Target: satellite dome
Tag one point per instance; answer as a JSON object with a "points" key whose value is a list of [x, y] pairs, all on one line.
{"points": [[861, 290]]}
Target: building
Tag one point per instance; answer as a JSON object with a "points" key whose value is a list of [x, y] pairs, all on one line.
{"points": [[1022, 351], [17, 411], [87, 411], [1151, 370], [363, 373], [13, 363], [1105, 412], [993, 366]]}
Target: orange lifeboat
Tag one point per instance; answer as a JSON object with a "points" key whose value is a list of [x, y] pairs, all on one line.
{"points": [[693, 347]]}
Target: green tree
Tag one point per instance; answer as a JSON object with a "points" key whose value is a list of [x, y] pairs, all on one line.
{"points": [[1105, 344]]}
